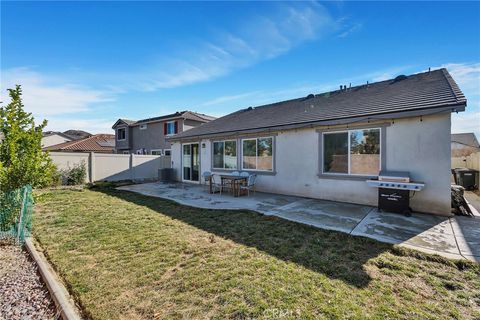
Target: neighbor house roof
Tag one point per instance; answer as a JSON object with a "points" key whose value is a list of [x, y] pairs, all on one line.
{"points": [[468, 139], [97, 143], [61, 134], [179, 114], [422, 91], [77, 134]]}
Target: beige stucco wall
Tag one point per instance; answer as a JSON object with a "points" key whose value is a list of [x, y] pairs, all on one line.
{"points": [[420, 147], [113, 167]]}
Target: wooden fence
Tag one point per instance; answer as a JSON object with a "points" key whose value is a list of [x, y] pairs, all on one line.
{"points": [[471, 161]]}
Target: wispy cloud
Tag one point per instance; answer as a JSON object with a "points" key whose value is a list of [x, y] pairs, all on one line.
{"points": [[386, 74], [260, 38], [89, 125], [467, 76], [351, 29], [466, 122], [259, 97], [46, 96]]}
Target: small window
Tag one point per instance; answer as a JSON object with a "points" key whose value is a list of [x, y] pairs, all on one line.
{"points": [[156, 152], [225, 154], [143, 126], [257, 154], [121, 133], [353, 152], [167, 152], [170, 128], [126, 152]]}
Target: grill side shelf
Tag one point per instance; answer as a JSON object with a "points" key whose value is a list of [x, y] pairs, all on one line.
{"points": [[413, 186]]}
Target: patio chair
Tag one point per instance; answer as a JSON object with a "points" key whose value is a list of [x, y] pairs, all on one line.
{"points": [[250, 184], [235, 173], [244, 174], [216, 183], [207, 175]]}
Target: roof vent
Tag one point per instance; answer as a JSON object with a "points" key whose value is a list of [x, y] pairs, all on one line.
{"points": [[399, 78], [310, 96]]}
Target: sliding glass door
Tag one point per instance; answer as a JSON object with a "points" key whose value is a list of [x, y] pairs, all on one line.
{"points": [[190, 162]]}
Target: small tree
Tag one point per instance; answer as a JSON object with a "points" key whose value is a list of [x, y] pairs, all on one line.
{"points": [[22, 160]]}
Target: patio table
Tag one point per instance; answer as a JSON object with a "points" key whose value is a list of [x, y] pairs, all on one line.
{"points": [[235, 180]]}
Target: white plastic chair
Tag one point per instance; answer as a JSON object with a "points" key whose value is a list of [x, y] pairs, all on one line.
{"points": [[216, 183], [250, 184], [235, 173], [244, 174]]}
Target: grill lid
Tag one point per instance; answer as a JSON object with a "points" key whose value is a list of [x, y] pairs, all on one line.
{"points": [[394, 176]]}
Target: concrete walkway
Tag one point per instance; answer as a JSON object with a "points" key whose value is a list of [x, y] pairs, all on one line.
{"points": [[455, 237]]}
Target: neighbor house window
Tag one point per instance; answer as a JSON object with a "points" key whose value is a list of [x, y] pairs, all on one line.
{"points": [[354, 152], [156, 152], [225, 154], [143, 126], [257, 154], [121, 132], [167, 152], [170, 127]]}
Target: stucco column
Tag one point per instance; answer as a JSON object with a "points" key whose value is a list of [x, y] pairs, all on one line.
{"points": [[91, 167]]}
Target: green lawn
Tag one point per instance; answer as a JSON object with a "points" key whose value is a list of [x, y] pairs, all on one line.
{"points": [[128, 256]]}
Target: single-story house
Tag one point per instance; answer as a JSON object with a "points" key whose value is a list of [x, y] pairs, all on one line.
{"points": [[464, 144], [327, 145], [101, 143], [147, 136], [51, 138]]}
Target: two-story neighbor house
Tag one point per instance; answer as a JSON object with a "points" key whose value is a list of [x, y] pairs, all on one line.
{"points": [[147, 136]]}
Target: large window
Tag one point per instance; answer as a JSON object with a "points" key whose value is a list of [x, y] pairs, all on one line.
{"points": [[355, 152], [121, 133], [225, 154], [257, 154]]}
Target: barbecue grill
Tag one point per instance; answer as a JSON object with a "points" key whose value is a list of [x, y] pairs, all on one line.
{"points": [[394, 191]]}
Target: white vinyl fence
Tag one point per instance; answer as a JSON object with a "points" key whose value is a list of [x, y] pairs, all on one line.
{"points": [[113, 167], [472, 161]]}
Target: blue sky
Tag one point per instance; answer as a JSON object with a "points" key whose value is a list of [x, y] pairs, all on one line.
{"points": [[85, 64]]}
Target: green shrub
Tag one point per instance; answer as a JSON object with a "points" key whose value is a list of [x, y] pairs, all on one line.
{"points": [[22, 160], [75, 175]]}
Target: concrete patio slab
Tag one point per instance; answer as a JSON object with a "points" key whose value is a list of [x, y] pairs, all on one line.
{"points": [[419, 231], [455, 237], [323, 214]]}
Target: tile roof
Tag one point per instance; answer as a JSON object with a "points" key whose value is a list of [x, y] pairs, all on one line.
{"points": [[97, 143], [468, 139], [179, 114], [405, 93]]}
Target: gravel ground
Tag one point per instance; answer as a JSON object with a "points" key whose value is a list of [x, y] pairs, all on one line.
{"points": [[22, 293]]}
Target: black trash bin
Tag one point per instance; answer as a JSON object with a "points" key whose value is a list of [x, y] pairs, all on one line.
{"points": [[467, 178]]}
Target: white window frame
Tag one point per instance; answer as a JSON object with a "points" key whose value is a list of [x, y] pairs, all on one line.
{"points": [[236, 151], [348, 137], [122, 128], [155, 150], [143, 126], [256, 156], [170, 122]]}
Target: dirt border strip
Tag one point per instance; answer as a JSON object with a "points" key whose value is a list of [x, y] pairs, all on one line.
{"points": [[57, 290]]}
